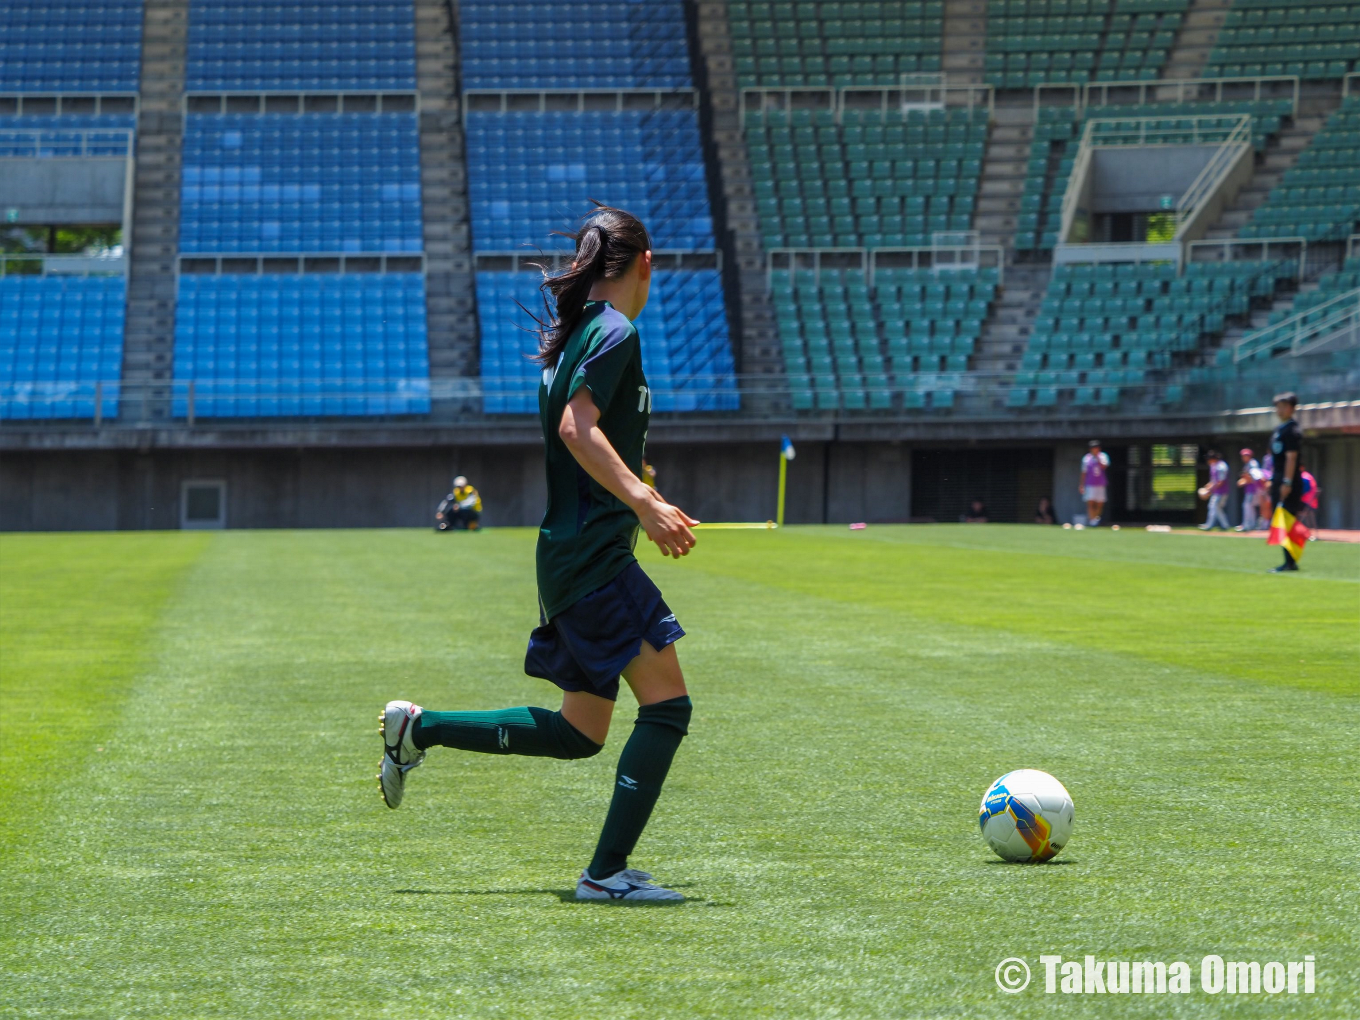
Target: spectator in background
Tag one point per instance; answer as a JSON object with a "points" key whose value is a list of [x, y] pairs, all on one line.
{"points": [[649, 476], [976, 513], [460, 510], [1094, 476], [1044, 514], [1216, 491], [1309, 497], [1252, 483]]}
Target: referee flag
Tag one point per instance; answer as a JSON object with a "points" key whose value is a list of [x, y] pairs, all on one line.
{"points": [[1288, 531]]}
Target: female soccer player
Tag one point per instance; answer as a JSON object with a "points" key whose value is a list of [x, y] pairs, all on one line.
{"points": [[600, 616]]}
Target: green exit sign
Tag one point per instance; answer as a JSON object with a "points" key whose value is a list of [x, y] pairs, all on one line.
{"points": [[11, 215], [1168, 202]]}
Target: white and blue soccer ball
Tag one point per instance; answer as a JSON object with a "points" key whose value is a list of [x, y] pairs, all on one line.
{"points": [[1026, 815]]}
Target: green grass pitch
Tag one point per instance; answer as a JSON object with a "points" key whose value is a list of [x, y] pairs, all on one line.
{"points": [[191, 827]]}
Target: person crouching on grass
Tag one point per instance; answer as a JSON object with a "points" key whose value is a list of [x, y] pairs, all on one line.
{"points": [[600, 616]]}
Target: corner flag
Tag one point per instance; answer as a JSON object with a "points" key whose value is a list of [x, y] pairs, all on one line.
{"points": [[786, 448], [1288, 531]]}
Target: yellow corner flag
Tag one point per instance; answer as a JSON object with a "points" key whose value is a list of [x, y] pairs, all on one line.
{"points": [[1288, 531]]}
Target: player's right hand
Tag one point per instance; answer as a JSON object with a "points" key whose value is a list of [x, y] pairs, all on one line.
{"points": [[668, 526]]}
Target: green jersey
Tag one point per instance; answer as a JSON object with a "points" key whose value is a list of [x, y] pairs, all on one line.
{"points": [[588, 534]]}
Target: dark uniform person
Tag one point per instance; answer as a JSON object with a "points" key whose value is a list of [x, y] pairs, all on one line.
{"points": [[1286, 446], [460, 510]]}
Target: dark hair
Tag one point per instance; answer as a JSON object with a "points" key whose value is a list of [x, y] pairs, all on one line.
{"points": [[606, 245], [1212, 455], [1093, 443], [1288, 397]]}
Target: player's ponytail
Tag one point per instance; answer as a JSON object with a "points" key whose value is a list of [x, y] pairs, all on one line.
{"points": [[606, 245]]}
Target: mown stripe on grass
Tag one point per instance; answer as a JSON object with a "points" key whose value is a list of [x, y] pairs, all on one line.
{"points": [[78, 615], [1290, 630]]}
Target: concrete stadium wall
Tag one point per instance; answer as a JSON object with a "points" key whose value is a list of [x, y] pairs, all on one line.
{"points": [[829, 482], [86, 190]]}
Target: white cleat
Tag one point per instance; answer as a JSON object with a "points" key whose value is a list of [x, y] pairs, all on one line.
{"points": [[400, 755], [629, 885]]}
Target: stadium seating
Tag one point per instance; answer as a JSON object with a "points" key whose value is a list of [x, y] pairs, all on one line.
{"points": [[1319, 196], [246, 45], [835, 43], [70, 45], [35, 136], [259, 346], [853, 346], [1312, 39], [873, 180], [1057, 135], [1103, 328], [685, 348], [559, 44], [301, 183], [1029, 43], [531, 173], [1329, 286], [59, 337]]}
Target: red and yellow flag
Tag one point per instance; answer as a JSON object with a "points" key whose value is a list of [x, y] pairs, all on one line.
{"points": [[1288, 531]]}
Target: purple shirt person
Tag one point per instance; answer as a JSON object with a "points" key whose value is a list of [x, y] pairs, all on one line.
{"points": [[1093, 481], [1217, 491]]}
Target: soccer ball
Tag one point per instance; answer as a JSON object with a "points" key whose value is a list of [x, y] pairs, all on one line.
{"points": [[1026, 815]]}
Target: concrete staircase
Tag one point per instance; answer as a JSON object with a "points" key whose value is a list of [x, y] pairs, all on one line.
{"points": [[1003, 170], [149, 330], [1006, 331], [965, 41], [1280, 155], [755, 343], [450, 308], [1199, 30]]}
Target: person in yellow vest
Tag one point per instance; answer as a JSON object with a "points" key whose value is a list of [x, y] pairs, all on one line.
{"points": [[461, 509]]}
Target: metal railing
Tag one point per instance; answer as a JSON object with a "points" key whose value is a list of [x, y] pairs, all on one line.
{"points": [[45, 143], [1353, 246], [290, 263], [1225, 158], [816, 396], [532, 261], [1334, 323], [941, 258], [1233, 139], [906, 96], [294, 101], [578, 100], [1189, 90], [62, 104], [1352, 78], [1233, 249], [64, 265]]}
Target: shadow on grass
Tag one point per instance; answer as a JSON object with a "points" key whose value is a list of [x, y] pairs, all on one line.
{"points": [[565, 895], [1036, 864]]}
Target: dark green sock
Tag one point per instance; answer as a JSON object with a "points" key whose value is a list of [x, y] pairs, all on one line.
{"points": [[643, 765], [531, 731]]}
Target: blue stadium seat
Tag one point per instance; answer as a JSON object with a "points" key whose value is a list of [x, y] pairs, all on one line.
{"points": [[532, 173], [311, 345], [70, 46], [59, 337], [310, 182], [686, 352], [556, 44], [242, 44]]}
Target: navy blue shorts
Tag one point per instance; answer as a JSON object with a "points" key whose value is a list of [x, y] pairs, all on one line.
{"points": [[586, 646]]}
